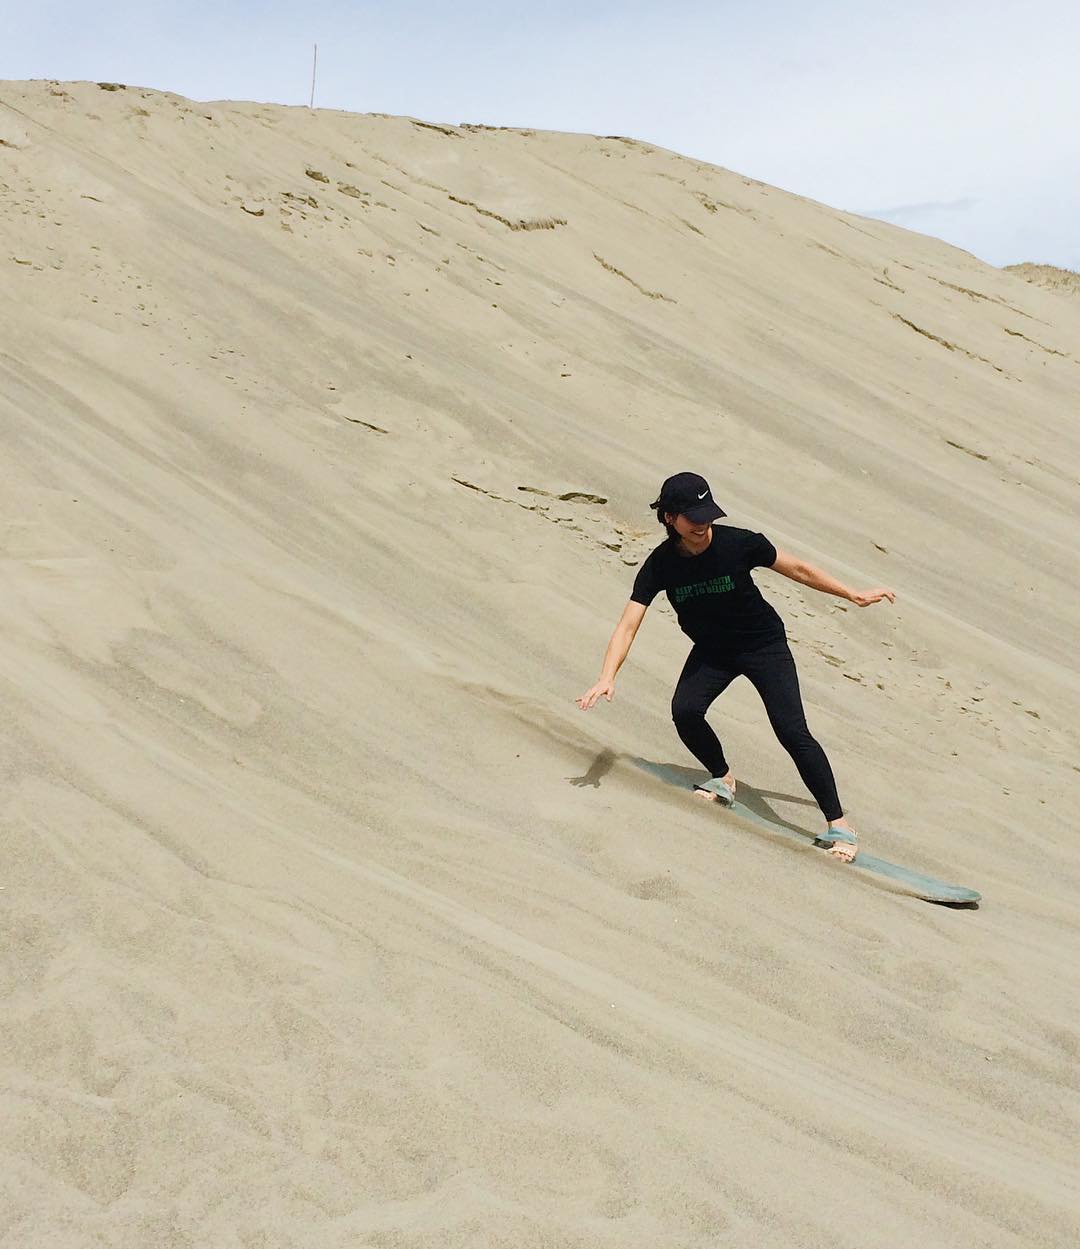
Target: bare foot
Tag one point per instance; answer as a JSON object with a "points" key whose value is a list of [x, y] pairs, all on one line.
{"points": [[842, 850], [709, 796]]}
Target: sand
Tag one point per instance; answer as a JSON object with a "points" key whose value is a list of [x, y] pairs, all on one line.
{"points": [[1049, 276], [328, 919]]}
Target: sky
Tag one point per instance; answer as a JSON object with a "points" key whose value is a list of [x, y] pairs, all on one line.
{"points": [[956, 118]]}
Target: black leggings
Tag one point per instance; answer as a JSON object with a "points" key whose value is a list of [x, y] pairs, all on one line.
{"points": [[771, 671]]}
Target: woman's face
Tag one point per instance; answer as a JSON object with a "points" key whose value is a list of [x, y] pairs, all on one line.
{"points": [[690, 530]]}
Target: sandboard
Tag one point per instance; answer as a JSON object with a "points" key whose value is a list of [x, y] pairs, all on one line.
{"points": [[926, 887]]}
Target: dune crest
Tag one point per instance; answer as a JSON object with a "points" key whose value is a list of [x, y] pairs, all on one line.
{"points": [[1050, 276]]}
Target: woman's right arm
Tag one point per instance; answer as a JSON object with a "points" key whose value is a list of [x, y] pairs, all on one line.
{"points": [[617, 650]]}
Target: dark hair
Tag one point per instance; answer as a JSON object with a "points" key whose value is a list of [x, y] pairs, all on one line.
{"points": [[659, 509]]}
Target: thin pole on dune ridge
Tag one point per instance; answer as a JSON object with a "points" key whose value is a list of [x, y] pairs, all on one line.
{"points": [[314, 63]]}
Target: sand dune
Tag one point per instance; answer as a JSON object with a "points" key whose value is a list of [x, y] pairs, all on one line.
{"points": [[328, 919], [1050, 276]]}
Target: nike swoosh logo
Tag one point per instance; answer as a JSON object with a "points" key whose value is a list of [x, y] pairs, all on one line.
{"points": [[701, 496]]}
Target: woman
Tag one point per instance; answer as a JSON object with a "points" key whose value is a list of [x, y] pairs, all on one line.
{"points": [[705, 571]]}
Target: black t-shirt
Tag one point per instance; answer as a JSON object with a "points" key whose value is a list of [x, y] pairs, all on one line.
{"points": [[714, 596]]}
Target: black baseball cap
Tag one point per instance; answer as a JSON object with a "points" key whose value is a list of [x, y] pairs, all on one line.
{"points": [[689, 495]]}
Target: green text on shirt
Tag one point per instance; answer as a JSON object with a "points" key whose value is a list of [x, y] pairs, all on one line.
{"points": [[717, 585]]}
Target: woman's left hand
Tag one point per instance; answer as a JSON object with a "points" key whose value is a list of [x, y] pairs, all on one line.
{"points": [[863, 598]]}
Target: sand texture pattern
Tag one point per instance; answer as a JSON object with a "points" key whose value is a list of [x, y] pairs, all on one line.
{"points": [[328, 919]]}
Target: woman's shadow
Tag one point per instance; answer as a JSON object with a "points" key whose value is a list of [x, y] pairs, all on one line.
{"points": [[755, 800]]}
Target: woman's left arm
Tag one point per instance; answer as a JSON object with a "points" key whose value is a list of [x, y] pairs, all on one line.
{"points": [[807, 574]]}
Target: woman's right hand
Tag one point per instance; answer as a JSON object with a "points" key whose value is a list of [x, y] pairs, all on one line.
{"points": [[865, 598], [602, 688]]}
